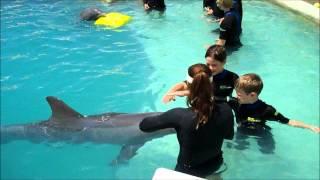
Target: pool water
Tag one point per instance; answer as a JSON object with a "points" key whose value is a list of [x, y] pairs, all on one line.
{"points": [[46, 50]]}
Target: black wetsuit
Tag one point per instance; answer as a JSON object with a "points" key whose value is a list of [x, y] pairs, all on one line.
{"points": [[217, 12], [200, 150], [155, 4], [237, 7], [254, 116], [223, 85], [251, 120], [230, 28]]}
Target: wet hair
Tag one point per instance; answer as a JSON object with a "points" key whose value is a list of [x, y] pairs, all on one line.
{"points": [[249, 83], [217, 53], [225, 3], [201, 93]]}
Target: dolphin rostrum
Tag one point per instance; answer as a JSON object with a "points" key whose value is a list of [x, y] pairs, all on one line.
{"points": [[66, 124]]}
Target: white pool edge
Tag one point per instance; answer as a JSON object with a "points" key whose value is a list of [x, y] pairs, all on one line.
{"points": [[301, 7]]}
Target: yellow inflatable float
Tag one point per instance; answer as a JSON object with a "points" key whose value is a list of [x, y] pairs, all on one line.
{"points": [[113, 20]]}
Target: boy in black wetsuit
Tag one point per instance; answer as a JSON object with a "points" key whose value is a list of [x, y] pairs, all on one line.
{"points": [[230, 25], [158, 5], [252, 113]]}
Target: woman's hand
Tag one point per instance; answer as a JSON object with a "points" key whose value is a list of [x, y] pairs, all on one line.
{"points": [[172, 96], [168, 97]]}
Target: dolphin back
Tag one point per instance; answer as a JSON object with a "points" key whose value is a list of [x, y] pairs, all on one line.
{"points": [[61, 112]]}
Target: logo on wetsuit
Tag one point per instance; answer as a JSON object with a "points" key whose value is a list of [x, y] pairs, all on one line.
{"points": [[252, 123], [223, 87]]}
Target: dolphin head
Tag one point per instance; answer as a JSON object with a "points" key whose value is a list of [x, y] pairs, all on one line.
{"points": [[91, 14]]}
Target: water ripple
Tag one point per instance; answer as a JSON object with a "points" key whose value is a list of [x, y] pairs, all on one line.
{"points": [[4, 78], [9, 88], [19, 56]]}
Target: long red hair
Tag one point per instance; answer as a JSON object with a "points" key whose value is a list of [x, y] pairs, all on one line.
{"points": [[200, 98]]}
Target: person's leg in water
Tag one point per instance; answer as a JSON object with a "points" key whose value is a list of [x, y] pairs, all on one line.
{"points": [[241, 139], [266, 142]]}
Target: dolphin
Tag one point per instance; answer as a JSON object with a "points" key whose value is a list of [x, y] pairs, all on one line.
{"points": [[67, 125], [91, 14]]}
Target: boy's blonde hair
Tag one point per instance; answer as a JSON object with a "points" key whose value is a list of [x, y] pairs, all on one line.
{"points": [[225, 3], [249, 83]]}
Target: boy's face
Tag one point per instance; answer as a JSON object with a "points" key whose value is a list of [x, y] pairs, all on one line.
{"points": [[244, 98]]}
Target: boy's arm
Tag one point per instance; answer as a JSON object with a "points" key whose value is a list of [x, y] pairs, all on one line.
{"points": [[300, 124], [279, 117], [179, 89]]}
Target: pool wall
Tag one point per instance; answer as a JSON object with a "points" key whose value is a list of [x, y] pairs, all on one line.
{"points": [[301, 7]]}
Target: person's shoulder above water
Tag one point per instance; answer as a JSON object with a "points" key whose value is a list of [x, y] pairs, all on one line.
{"points": [[231, 74]]}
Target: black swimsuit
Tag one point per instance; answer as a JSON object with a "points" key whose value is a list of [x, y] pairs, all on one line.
{"points": [[223, 85]]}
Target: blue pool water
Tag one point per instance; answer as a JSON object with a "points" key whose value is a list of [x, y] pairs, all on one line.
{"points": [[46, 50]]}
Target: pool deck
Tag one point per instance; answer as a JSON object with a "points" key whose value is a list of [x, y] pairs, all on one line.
{"points": [[302, 7]]}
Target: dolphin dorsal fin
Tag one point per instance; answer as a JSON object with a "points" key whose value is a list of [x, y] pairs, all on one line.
{"points": [[61, 111]]}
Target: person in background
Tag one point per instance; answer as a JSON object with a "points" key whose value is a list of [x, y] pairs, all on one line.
{"points": [[230, 25], [211, 9], [237, 7], [201, 128], [158, 5]]}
